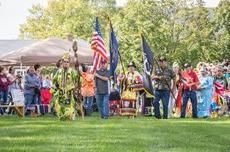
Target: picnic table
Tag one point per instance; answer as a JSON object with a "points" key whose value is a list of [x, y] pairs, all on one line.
{"points": [[19, 109]]}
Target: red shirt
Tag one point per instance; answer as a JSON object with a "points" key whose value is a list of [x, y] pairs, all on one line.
{"points": [[4, 82], [190, 78]]}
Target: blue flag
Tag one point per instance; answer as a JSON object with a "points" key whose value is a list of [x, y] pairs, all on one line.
{"points": [[113, 47], [148, 65]]}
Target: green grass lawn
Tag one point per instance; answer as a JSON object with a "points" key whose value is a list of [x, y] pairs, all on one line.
{"points": [[118, 134]]}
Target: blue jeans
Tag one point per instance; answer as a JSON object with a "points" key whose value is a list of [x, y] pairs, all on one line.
{"points": [[103, 105], [4, 96], [37, 99], [88, 103], [28, 101], [164, 96], [186, 96]]}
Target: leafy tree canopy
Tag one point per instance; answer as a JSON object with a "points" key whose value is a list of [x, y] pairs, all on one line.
{"points": [[181, 30]]}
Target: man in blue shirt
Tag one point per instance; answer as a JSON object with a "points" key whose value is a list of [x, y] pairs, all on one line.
{"points": [[31, 84]]}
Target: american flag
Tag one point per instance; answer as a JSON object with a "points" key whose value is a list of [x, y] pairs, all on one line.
{"points": [[98, 47]]}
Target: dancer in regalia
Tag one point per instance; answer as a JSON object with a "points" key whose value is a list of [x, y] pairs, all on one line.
{"points": [[132, 78], [65, 80]]}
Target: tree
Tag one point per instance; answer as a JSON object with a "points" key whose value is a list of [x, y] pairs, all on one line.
{"points": [[221, 31], [136, 18], [181, 30], [176, 29], [62, 17]]}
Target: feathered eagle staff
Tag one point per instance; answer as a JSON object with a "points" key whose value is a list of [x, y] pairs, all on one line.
{"points": [[78, 80]]}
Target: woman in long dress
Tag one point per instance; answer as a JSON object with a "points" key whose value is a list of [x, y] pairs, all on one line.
{"points": [[204, 93], [172, 108]]}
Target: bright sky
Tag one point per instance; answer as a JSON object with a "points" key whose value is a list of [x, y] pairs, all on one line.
{"points": [[14, 12]]}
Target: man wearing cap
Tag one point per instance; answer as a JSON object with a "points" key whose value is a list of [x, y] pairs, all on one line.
{"points": [[65, 79], [190, 83], [162, 77], [102, 90]]}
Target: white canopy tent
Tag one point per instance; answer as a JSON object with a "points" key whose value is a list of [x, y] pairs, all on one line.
{"points": [[7, 62], [48, 52]]}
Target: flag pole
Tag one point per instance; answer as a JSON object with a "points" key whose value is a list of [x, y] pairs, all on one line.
{"points": [[121, 61], [78, 83], [122, 65], [120, 58]]}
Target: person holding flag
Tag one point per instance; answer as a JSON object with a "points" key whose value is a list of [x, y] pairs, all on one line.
{"points": [[100, 71], [102, 89], [163, 77]]}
